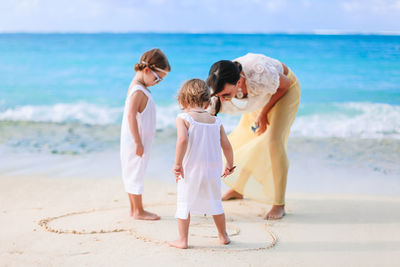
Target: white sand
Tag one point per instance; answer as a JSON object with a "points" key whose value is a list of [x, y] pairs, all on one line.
{"points": [[319, 230]]}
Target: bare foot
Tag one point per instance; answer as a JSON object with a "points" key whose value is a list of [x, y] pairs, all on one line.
{"points": [[179, 244], [231, 194], [224, 239], [145, 215], [276, 213]]}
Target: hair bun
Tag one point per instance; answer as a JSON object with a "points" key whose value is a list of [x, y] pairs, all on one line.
{"points": [[140, 66], [239, 66], [153, 59]]}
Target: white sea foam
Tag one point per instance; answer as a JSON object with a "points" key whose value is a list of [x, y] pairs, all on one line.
{"points": [[355, 120], [77, 112]]}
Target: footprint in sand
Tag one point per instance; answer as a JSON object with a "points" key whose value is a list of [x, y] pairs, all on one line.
{"points": [[246, 230]]}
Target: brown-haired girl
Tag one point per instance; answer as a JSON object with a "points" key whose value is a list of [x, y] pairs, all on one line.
{"points": [[139, 126]]}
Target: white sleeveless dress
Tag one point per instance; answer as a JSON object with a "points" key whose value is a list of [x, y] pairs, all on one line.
{"points": [[133, 166], [200, 191]]}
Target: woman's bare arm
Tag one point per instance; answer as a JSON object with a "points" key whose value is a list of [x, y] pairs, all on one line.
{"points": [[262, 119], [285, 69]]}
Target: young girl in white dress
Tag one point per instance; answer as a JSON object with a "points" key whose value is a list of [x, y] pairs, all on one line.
{"points": [[198, 161], [138, 128]]}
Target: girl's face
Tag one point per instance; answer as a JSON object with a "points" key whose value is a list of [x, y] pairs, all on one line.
{"points": [[151, 77]]}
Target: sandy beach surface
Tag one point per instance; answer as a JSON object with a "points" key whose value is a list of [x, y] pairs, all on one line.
{"points": [[84, 222]]}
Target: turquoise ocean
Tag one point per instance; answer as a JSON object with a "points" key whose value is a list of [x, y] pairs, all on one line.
{"points": [[62, 95]]}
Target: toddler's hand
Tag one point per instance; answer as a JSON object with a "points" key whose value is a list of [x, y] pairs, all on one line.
{"points": [[139, 149], [178, 172], [228, 170]]}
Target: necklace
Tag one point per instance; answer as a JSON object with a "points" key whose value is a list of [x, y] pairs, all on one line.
{"points": [[198, 111]]}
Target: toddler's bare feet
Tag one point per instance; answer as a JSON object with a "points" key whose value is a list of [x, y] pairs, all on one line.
{"points": [[276, 212], [145, 215], [224, 239], [182, 244], [231, 194]]}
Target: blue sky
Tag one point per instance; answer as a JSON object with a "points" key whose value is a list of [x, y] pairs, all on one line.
{"points": [[244, 16]]}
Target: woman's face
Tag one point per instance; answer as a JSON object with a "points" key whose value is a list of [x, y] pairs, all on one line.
{"points": [[228, 92]]}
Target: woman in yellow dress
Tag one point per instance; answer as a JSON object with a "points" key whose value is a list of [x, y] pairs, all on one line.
{"points": [[267, 94]]}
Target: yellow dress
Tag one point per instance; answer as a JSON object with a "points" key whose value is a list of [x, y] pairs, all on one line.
{"points": [[261, 161]]}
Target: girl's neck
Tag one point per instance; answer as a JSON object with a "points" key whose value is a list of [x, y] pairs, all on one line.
{"points": [[138, 79]]}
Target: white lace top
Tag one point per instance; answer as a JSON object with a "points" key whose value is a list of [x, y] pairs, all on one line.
{"points": [[262, 81]]}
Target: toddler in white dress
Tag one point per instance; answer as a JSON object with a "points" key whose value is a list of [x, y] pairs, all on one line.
{"points": [[139, 127], [198, 161]]}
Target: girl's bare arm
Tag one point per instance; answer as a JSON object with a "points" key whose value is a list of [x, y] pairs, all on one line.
{"points": [[181, 146], [135, 103], [228, 151]]}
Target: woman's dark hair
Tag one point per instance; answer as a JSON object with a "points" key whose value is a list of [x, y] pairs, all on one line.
{"points": [[221, 73]]}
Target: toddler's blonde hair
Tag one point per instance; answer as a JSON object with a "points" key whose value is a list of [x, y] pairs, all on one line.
{"points": [[194, 93]]}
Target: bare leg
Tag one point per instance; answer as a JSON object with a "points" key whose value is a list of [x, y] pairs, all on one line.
{"points": [[231, 194], [183, 229], [276, 212], [221, 227], [137, 211], [282, 117], [130, 196]]}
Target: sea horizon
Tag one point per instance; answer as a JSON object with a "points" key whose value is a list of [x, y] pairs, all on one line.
{"points": [[314, 32]]}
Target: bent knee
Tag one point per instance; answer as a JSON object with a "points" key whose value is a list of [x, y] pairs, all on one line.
{"points": [[276, 146]]}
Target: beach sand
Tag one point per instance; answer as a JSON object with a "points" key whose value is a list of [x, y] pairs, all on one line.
{"points": [[84, 222]]}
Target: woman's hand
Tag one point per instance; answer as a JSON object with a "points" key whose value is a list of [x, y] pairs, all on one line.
{"points": [[261, 123], [139, 149], [178, 172], [262, 118]]}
